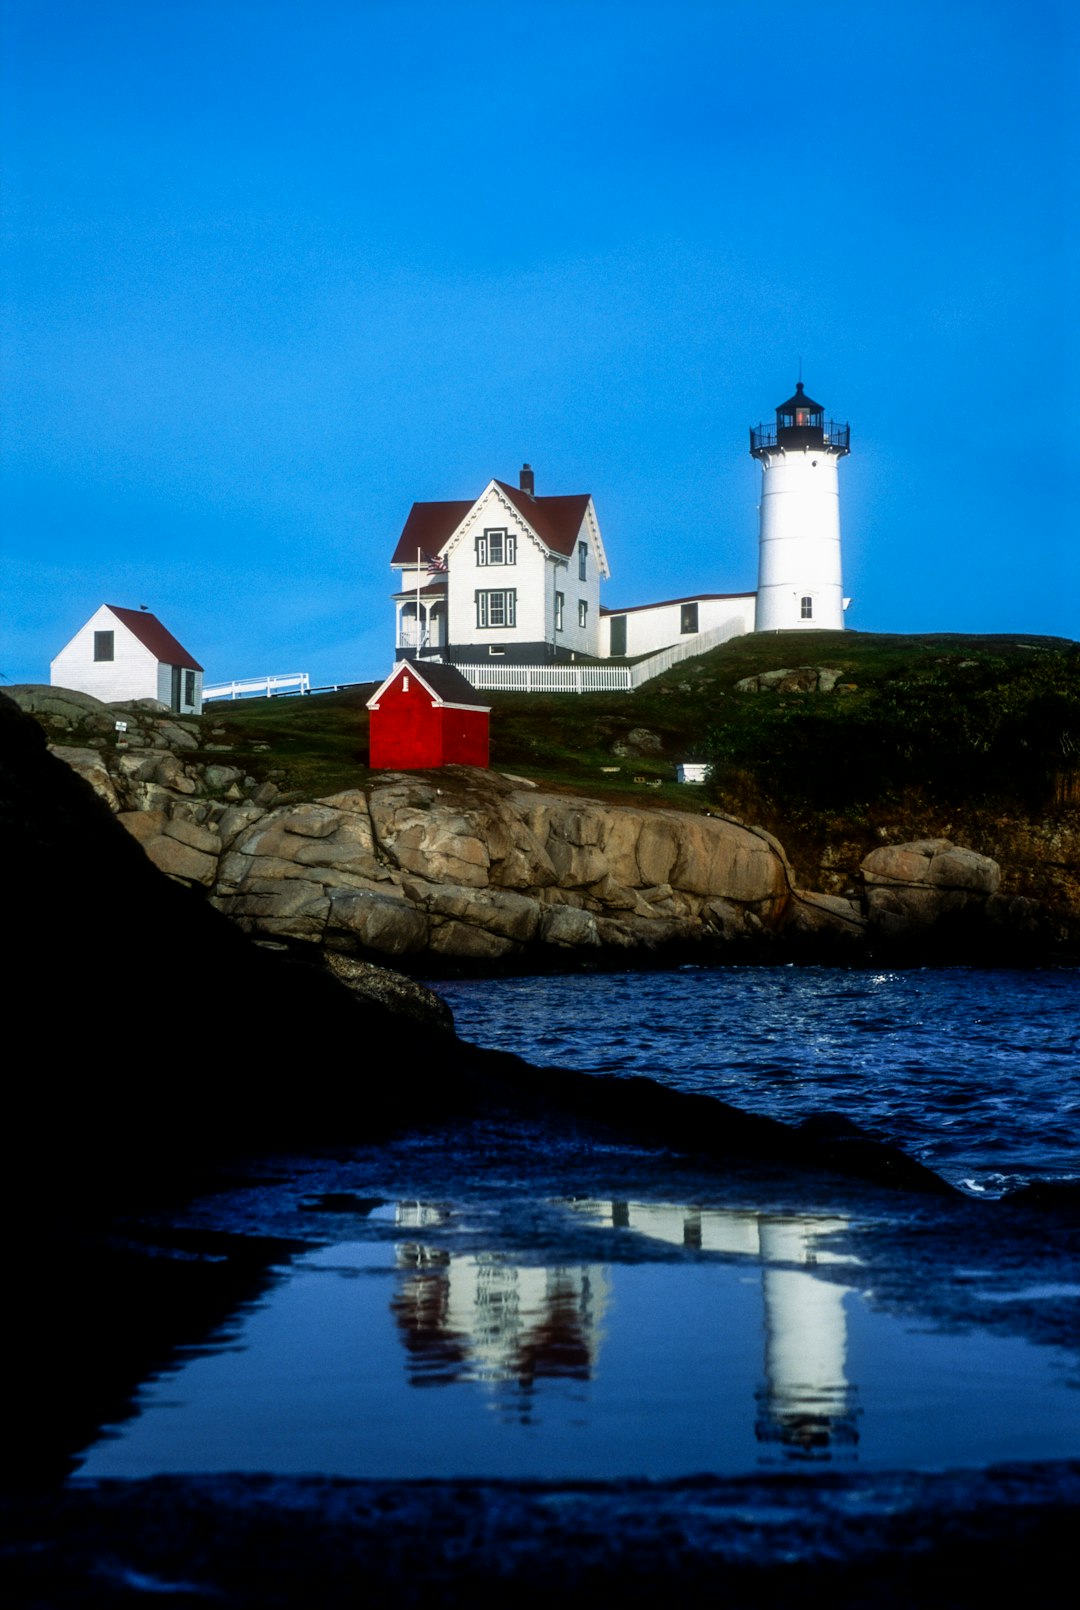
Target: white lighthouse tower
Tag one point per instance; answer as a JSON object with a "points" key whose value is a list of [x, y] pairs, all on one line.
{"points": [[799, 580]]}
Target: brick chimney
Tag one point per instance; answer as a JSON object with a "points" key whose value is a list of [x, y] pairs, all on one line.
{"points": [[527, 482]]}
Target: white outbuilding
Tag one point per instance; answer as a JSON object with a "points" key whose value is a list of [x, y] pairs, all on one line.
{"points": [[124, 654]]}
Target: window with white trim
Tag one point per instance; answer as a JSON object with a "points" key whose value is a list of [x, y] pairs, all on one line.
{"points": [[103, 645], [582, 612], [560, 604], [497, 607], [494, 547], [583, 561], [806, 608], [688, 618]]}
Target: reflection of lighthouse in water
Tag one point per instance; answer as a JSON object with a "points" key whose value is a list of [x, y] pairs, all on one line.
{"points": [[806, 1407], [479, 1318], [806, 1404]]}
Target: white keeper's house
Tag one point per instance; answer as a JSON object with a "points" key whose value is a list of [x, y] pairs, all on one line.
{"points": [[512, 579]]}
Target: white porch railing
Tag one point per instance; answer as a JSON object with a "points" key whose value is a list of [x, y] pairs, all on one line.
{"points": [[254, 686], [409, 638]]}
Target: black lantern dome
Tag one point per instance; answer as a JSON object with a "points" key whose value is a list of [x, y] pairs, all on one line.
{"points": [[800, 423]]}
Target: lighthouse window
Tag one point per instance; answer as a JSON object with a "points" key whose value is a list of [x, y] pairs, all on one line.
{"points": [[806, 609]]}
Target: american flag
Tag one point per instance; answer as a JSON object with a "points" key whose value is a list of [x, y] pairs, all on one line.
{"points": [[436, 566]]}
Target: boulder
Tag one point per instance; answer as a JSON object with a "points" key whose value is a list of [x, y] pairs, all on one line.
{"points": [[402, 996], [639, 741], [916, 886], [465, 942], [89, 764], [191, 834], [144, 825], [497, 911], [568, 927], [383, 921], [833, 919], [180, 860]]}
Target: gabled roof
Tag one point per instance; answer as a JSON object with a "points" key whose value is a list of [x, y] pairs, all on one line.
{"points": [[445, 683], [556, 521], [152, 635], [429, 525]]}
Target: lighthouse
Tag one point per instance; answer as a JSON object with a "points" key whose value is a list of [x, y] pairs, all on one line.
{"points": [[799, 577]]}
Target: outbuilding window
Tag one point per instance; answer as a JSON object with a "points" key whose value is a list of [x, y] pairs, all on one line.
{"points": [[104, 646], [189, 687], [688, 618], [497, 608]]}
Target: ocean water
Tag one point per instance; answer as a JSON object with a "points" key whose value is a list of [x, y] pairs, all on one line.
{"points": [[432, 1336], [976, 1073]]}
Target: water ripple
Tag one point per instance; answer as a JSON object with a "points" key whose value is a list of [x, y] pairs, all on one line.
{"points": [[973, 1071]]}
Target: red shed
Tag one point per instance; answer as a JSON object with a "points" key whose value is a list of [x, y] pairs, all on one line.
{"points": [[427, 715]]}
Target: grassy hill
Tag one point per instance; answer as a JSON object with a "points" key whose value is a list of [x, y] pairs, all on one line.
{"points": [[957, 717], [918, 734]]}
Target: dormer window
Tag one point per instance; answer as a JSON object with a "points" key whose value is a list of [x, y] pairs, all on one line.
{"points": [[494, 547]]}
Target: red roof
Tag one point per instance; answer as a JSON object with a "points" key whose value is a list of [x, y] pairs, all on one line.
{"points": [[152, 635], [429, 525], [556, 521]]}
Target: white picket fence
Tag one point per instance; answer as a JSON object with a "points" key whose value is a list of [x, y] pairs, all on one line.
{"points": [[495, 678], [548, 678], [259, 686]]}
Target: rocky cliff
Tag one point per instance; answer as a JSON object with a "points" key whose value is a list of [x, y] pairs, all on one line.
{"points": [[478, 868]]}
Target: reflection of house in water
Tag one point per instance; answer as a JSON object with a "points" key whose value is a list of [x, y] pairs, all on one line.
{"points": [[479, 1318], [806, 1405]]}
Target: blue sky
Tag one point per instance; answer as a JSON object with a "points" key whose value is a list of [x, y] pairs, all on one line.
{"points": [[273, 269]]}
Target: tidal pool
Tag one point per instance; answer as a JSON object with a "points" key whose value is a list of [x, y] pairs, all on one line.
{"points": [[757, 1344]]}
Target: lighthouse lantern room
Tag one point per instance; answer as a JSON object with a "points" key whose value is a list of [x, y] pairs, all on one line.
{"points": [[799, 572]]}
